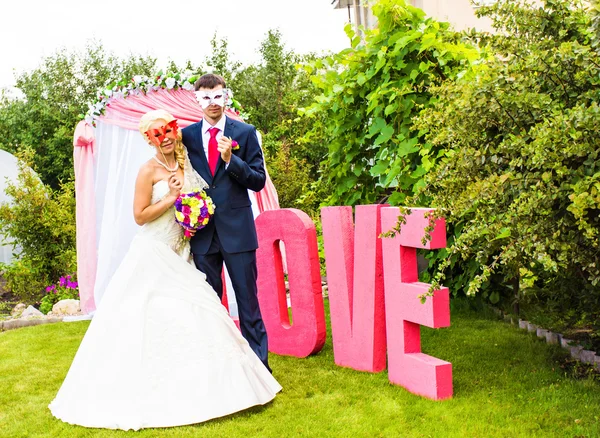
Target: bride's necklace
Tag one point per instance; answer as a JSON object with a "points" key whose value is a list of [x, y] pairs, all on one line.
{"points": [[172, 170]]}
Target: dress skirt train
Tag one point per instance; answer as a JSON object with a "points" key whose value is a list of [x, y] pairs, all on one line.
{"points": [[160, 351]]}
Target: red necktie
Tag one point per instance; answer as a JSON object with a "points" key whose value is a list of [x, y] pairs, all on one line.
{"points": [[213, 151]]}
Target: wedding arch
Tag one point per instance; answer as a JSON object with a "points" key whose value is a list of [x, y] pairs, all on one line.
{"points": [[108, 151]]}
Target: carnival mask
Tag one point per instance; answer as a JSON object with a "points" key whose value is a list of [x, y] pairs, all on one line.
{"points": [[157, 136], [207, 97]]}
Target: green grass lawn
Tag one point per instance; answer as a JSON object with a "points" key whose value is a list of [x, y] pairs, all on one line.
{"points": [[507, 383]]}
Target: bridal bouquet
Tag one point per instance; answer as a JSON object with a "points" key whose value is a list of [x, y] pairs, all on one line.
{"points": [[193, 210]]}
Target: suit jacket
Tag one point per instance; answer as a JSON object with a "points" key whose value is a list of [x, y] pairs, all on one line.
{"points": [[228, 188]]}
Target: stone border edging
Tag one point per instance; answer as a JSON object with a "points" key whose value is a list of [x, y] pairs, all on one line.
{"points": [[577, 351], [11, 324]]}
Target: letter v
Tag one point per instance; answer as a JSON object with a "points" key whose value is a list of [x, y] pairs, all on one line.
{"points": [[355, 280]]}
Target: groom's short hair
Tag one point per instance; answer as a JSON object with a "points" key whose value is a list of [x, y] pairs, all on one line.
{"points": [[209, 81]]}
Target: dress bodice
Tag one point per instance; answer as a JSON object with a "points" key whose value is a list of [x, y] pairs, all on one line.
{"points": [[164, 228]]}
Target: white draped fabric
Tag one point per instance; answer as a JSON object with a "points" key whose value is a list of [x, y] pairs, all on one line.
{"points": [[119, 155]]}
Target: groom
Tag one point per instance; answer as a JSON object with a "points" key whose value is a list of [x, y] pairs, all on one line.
{"points": [[226, 153]]}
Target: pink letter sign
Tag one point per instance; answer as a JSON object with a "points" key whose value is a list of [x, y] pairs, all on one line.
{"points": [[419, 373], [306, 335], [355, 281]]}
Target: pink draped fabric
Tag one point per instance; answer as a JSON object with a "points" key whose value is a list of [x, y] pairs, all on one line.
{"points": [[85, 214], [267, 198], [126, 113], [181, 103]]}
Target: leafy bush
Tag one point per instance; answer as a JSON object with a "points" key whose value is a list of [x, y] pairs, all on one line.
{"points": [[290, 175], [40, 221], [24, 280], [520, 178], [370, 94]]}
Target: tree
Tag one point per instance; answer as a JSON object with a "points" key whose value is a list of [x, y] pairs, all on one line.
{"points": [[265, 86], [54, 96], [271, 93], [221, 62]]}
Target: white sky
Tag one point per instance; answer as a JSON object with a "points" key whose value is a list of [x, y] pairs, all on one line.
{"points": [[178, 29]]}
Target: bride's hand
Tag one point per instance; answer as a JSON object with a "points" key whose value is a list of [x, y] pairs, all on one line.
{"points": [[175, 186]]}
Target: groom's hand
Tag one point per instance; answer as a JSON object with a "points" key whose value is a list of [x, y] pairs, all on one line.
{"points": [[224, 147]]}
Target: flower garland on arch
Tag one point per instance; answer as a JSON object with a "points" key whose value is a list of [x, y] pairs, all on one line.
{"points": [[142, 84]]}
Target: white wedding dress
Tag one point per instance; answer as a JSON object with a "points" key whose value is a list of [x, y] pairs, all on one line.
{"points": [[161, 350]]}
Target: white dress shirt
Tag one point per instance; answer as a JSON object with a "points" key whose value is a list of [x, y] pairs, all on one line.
{"points": [[206, 135]]}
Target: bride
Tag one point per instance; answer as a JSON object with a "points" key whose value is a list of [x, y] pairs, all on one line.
{"points": [[161, 350]]}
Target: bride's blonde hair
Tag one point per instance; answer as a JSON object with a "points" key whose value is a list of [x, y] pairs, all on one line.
{"points": [[152, 116]]}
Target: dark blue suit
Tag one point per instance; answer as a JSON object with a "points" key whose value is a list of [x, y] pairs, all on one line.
{"points": [[230, 236]]}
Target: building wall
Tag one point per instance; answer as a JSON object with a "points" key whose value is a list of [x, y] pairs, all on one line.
{"points": [[460, 13]]}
